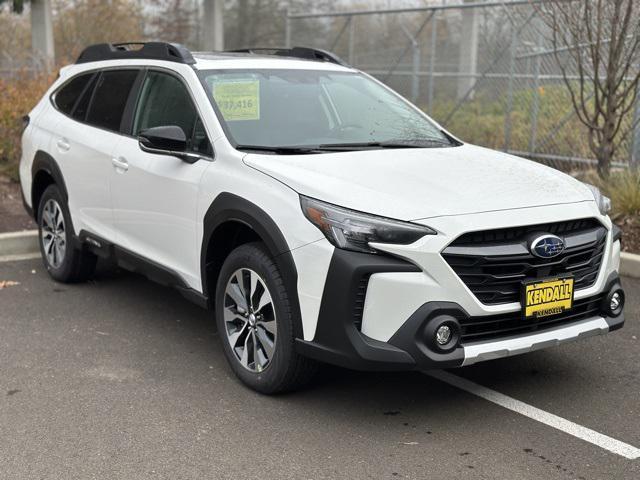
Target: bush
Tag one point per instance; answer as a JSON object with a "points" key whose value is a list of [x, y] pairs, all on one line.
{"points": [[482, 121], [623, 188], [17, 97]]}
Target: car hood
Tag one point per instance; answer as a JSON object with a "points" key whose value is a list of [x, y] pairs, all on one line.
{"points": [[414, 184]]}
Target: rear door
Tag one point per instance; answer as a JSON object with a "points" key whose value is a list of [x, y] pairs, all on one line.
{"points": [[155, 196], [84, 142]]}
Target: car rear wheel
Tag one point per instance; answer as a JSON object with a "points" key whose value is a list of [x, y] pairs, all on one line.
{"points": [[255, 322], [64, 260]]}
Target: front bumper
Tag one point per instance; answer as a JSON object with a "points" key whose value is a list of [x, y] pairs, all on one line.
{"points": [[374, 311], [339, 339]]}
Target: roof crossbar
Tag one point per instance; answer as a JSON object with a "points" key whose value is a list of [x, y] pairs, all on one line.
{"points": [[171, 52], [306, 53]]}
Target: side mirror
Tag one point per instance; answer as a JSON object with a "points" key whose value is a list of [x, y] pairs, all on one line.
{"points": [[166, 140]]}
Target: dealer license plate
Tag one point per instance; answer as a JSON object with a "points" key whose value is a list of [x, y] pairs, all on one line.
{"points": [[542, 298]]}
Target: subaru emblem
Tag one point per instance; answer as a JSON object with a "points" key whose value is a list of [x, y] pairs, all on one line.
{"points": [[547, 246]]}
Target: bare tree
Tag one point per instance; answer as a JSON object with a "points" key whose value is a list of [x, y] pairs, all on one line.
{"points": [[175, 21], [254, 23], [597, 46]]}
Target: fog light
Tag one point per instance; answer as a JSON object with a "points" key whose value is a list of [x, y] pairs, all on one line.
{"points": [[615, 302], [443, 335]]}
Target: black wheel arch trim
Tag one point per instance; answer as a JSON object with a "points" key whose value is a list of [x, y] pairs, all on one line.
{"points": [[44, 162], [228, 207]]}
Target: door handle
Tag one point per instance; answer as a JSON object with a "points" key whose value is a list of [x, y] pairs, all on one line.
{"points": [[63, 144], [121, 165]]}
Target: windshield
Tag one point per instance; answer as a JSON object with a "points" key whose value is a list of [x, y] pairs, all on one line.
{"points": [[284, 109]]}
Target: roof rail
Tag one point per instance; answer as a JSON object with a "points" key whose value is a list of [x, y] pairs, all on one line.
{"points": [[171, 52], [306, 53]]}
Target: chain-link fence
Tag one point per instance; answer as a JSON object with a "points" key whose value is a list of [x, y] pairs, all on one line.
{"points": [[12, 67], [484, 70]]}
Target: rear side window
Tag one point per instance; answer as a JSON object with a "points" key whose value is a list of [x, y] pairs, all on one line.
{"points": [[69, 94], [80, 110], [110, 98]]}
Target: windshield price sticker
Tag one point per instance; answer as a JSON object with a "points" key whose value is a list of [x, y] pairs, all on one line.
{"points": [[239, 100]]}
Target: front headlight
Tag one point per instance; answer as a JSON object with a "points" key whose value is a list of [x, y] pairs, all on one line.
{"points": [[604, 204], [353, 230]]}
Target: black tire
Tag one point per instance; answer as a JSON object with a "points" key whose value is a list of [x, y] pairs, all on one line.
{"points": [[76, 264], [286, 370]]}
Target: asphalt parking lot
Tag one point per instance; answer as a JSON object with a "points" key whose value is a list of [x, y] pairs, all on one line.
{"points": [[122, 378]]}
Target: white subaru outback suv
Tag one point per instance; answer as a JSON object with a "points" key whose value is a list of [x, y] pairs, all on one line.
{"points": [[319, 215]]}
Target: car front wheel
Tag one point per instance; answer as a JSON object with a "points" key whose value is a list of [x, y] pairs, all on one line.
{"points": [[255, 322]]}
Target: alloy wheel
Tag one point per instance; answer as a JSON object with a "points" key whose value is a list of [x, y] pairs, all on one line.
{"points": [[250, 320], [52, 230]]}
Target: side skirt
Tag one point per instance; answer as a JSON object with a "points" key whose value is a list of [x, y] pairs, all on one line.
{"points": [[135, 263]]}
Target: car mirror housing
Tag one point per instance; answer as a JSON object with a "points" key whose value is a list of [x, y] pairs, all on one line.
{"points": [[166, 140]]}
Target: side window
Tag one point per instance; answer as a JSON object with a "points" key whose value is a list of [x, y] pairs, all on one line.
{"points": [[164, 101], [110, 98], [66, 98], [80, 111]]}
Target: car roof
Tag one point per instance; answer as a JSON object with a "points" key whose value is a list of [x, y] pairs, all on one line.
{"points": [[109, 55], [235, 60]]}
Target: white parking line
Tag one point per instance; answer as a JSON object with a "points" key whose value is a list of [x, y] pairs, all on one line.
{"points": [[578, 431], [18, 258]]}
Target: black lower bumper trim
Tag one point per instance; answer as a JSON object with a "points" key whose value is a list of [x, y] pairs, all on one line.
{"points": [[339, 341], [367, 354]]}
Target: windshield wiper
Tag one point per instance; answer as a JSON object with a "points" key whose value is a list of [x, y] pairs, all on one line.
{"points": [[423, 143], [279, 150], [341, 147]]}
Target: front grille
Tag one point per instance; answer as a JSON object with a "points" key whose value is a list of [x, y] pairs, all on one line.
{"points": [[494, 263], [492, 327]]}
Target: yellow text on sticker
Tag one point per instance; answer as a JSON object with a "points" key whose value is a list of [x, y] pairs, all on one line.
{"points": [[239, 100]]}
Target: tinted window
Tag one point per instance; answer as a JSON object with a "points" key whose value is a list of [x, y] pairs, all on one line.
{"points": [[67, 96], [80, 111], [110, 98], [164, 101]]}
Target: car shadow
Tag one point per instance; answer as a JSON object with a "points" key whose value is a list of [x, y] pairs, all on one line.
{"points": [[187, 329]]}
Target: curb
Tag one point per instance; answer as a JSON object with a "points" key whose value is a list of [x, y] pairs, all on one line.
{"points": [[630, 265], [19, 243]]}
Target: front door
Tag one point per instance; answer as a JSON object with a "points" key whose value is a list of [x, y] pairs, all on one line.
{"points": [[154, 197]]}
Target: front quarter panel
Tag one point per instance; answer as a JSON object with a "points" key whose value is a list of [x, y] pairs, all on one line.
{"points": [[230, 189], [229, 174]]}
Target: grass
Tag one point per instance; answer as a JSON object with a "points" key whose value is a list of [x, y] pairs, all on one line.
{"points": [[623, 188]]}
